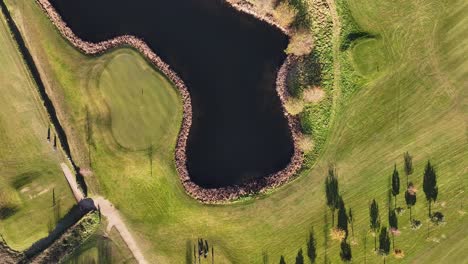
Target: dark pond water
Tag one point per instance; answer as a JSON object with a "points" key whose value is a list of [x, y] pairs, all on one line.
{"points": [[229, 63]]}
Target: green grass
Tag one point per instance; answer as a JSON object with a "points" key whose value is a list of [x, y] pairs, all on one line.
{"points": [[29, 166], [417, 103], [368, 56], [140, 113]]}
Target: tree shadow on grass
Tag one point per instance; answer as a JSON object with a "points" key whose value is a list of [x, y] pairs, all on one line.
{"points": [[71, 218]]}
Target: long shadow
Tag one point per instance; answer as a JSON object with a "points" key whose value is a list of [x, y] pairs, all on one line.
{"points": [[71, 218], [42, 91]]}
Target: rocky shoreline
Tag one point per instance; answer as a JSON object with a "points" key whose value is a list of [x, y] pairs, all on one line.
{"points": [[216, 195]]}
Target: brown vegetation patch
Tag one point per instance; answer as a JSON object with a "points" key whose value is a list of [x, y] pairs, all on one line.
{"points": [[301, 43], [314, 94]]}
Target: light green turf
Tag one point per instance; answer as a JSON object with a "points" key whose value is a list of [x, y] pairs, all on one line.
{"points": [[29, 167], [417, 104], [140, 100]]}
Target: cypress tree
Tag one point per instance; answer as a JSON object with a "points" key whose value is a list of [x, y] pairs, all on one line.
{"points": [[430, 185], [395, 184], [312, 247], [282, 261], [384, 242], [374, 220], [408, 165], [393, 223], [342, 218], [48, 134], [410, 197], [300, 257], [332, 191], [345, 253]]}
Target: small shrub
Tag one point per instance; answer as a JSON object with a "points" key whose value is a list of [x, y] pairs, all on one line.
{"points": [[437, 217], [416, 224]]}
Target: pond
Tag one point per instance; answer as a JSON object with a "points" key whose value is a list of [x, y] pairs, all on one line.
{"points": [[228, 61]]}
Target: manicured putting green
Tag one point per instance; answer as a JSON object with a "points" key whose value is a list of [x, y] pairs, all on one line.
{"points": [[368, 56], [141, 101]]}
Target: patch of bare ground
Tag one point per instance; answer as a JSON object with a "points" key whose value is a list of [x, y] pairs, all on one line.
{"points": [[313, 94], [8, 255]]}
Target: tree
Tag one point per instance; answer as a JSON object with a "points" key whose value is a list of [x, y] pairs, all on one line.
{"points": [[302, 18], [342, 217], [282, 261], [312, 247], [345, 253], [408, 165], [351, 220], [300, 257], [48, 134], [332, 191], [410, 197], [374, 220], [395, 184], [384, 242], [430, 185], [393, 223]]}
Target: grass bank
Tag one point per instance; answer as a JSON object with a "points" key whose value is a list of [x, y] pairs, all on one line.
{"points": [[30, 173], [414, 103]]}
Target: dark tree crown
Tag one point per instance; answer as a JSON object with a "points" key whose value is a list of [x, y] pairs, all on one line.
{"points": [[392, 219], [282, 261], [345, 253], [384, 241], [300, 257], [312, 247], [342, 217], [430, 183], [331, 189], [374, 215], [410, 195], [395, 182]]}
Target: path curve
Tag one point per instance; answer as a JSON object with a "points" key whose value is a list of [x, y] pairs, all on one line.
{"points": [[109, 211]]}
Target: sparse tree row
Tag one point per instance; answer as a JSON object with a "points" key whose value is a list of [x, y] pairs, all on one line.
{"points": [[200, 249], [384, 233]]}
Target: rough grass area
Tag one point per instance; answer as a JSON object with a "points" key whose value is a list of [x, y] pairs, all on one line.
{"points": [[417, 104], [29, 166]]}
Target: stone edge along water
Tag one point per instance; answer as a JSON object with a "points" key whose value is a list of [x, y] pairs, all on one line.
{"points": [[215, 195]]}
